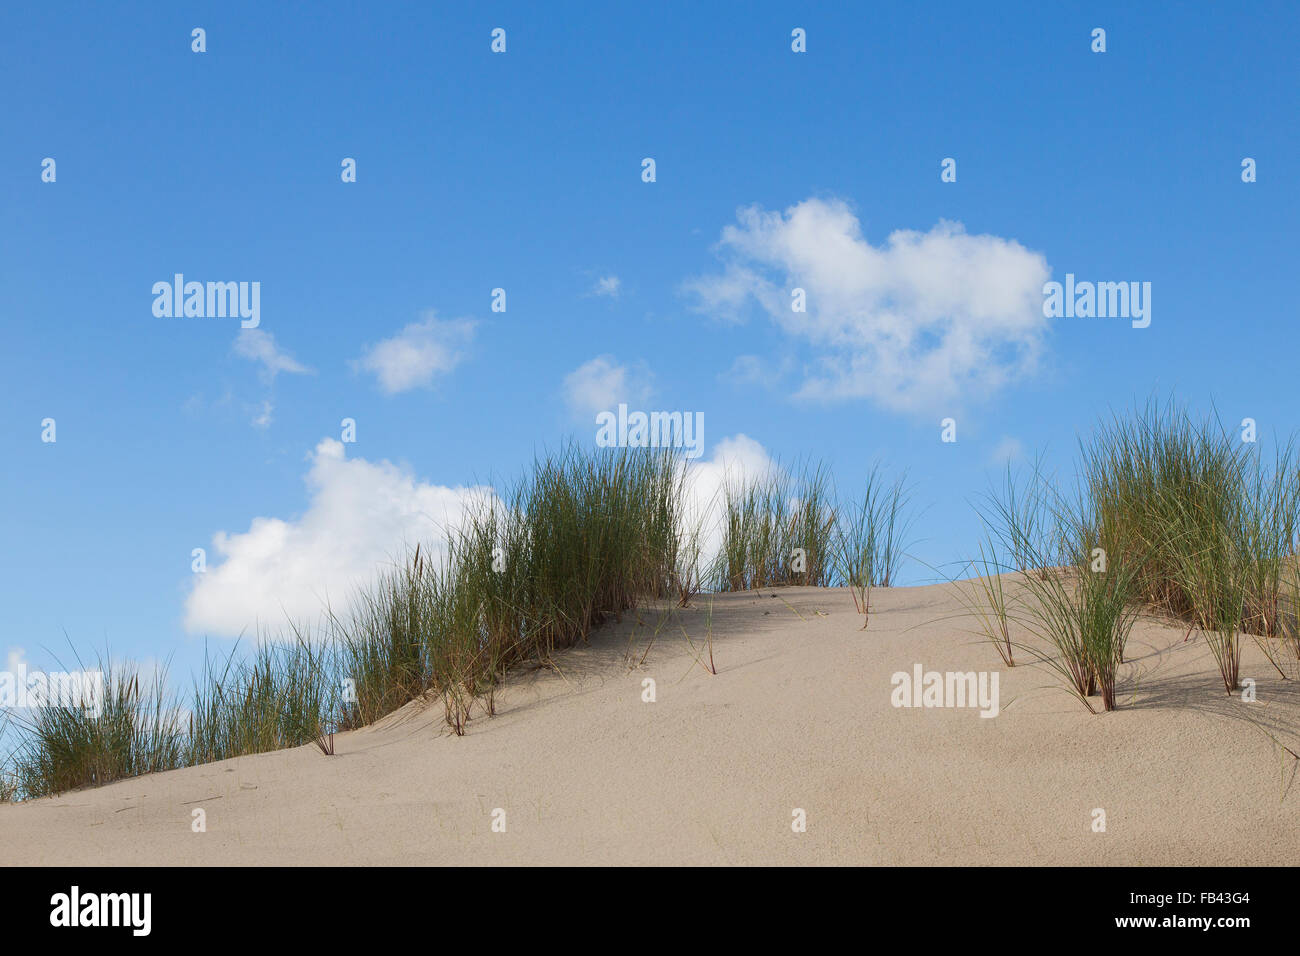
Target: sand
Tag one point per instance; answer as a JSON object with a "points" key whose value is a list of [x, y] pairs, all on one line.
{"points": [[799, 716]]}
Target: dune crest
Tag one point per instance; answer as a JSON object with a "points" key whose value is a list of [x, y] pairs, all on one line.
{"points": [[578, 768]]}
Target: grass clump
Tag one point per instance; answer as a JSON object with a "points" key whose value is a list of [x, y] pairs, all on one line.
{"points": [[585, 538], [1208, 524], [990, 602], [777, 532], [780, 531], [285, 695], [1172, 514], [126, 728], [1082, 609], [869, 539]]}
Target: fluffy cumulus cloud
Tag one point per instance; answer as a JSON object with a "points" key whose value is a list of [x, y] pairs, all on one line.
{"points": [[419, 353], [920, 322], [737, 462], [360, 516], [602, 383]]}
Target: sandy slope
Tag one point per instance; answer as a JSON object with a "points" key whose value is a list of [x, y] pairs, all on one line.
{"points": [[799, 715]]}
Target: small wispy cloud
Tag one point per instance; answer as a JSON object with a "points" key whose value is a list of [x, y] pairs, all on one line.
{"points": [[748, 370], [421, 351], [258, 345], [263, 417], [609, 286], [600, 384], [1007, 451]]}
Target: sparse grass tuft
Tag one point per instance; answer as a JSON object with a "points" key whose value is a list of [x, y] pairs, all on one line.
{"points": [[870, 539], [989, 602], [777, 531], [1082, 610]]}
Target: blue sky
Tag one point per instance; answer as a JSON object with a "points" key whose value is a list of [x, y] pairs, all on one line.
{"points": [[522, 171]]}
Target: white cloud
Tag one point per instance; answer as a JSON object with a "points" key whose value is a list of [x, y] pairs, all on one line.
{"points": [[737, 463], [602, 383], [264, 416], [755, 370], [609, 286], [16, 661], [258, 345], [419, 352], [362, 515], [916, 324], [722, 296], [746, 370], [1008, 450], [359, 516]]}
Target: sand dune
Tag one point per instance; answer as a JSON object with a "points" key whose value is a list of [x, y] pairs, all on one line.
{"points": [[798, 716]]}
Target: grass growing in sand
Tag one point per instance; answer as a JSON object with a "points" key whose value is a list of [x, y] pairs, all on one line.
{"points": [[1168, 514], [777, 531], [870, 539], [1207, 523], [585, 538], [990, 602], [285, 695], [134, 729], [1171, 514]]}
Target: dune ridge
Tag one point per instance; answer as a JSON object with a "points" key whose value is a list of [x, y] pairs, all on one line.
{"points": [[799, 716]]}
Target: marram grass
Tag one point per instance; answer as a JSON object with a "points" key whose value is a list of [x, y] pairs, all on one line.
{"points": [[1190, 523], [1172, 514], [134, 729]]}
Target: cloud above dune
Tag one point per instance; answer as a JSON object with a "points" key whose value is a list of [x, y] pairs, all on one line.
{"points": [[600, 384], [916, 324], [360, 516], [419, 353], [737, 463]]}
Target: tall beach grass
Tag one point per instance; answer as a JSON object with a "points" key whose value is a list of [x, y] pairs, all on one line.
{"points": [[1168, 513], [133, 727], [583, 538], [1171, 514]]}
